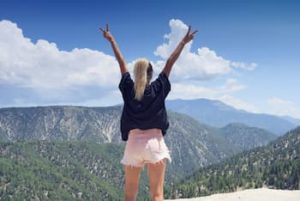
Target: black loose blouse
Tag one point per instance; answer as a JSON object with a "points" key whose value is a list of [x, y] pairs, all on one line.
{"points": [[150, 111]]}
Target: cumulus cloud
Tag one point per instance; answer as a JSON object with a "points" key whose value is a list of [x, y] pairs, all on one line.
{"points": [[42, 65], [39, 73], [200, 65], [178, 30]]}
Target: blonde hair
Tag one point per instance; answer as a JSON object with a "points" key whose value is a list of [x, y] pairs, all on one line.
{"points": [[141, 77]]}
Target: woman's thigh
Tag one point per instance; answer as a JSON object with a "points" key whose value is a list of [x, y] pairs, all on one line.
{"points": [[132, 175]]}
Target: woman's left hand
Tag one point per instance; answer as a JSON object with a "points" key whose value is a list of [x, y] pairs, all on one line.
{"points": [[189, 35]]}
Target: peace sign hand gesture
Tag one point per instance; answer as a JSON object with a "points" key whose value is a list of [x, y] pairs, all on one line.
{"points": [[189, 35], [107, 34]]}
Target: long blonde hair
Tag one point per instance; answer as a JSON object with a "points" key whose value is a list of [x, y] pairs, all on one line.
{"points": [[142, 76]]}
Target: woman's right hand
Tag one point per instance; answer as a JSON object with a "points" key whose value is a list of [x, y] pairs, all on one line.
{"points": [[188, 36], [107, 34]]}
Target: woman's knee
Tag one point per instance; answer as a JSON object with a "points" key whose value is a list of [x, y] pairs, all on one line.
{"points": [[157, 196], [131, 191], [130, 196]]}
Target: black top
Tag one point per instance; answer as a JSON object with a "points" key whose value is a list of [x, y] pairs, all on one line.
{"points": [[150, 111]]}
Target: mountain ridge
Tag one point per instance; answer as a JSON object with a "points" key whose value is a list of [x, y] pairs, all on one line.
{"points": [[64, 130], [188, 140], [219, 114]]}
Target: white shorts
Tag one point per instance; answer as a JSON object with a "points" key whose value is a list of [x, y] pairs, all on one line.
{"points": [[145, 146]]}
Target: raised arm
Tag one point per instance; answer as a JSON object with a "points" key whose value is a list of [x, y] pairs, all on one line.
{"points": [[174, 56], [116, 49]]}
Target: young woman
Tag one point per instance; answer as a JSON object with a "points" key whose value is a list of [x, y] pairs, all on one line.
{"points": [[144, 119]]}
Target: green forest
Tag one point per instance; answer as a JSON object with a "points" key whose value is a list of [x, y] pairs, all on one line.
{"points": [[276, 165]]}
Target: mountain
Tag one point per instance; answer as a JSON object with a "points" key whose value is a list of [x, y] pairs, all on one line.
{"points": [[188, 140], [276, 165], [76, 146], [245, 137], [98, 124], [216, 113]]}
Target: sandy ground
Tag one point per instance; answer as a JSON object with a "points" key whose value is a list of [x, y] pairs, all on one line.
{"points": [[262, 194]]}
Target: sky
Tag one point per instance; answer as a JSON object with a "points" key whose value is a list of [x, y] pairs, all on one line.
{"points": [[245, 54]]}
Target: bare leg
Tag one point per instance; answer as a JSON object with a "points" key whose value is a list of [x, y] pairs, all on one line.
{"points": [[156, 173], [132, 176]]}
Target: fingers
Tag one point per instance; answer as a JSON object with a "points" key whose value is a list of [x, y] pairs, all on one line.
{"points": [[189, 30], [106, 29], [101, 30], [194, 32]]}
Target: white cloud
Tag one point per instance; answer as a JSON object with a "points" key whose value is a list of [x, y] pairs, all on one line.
{"points": [[47, 75], [200, 65], [232, 85], [222, 93], [189, 91], [42, 65], [178, 30], [238, 103], [278, 101], [282, 107], [111, 98], [245, 66]]}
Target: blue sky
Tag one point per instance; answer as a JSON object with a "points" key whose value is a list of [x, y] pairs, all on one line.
{"points": [[246, 53]]}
